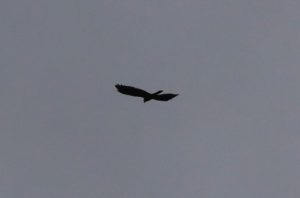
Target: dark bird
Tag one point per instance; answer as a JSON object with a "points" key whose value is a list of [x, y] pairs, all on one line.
{"points": [[132, 91]]}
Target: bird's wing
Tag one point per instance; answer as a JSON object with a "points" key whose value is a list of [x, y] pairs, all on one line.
{"points": [[165, 97], [131, 91]]}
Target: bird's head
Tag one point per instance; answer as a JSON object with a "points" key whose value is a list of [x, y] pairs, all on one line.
{"points": [[158, 92]]}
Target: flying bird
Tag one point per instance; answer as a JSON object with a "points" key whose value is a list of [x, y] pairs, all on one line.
{"points": [[132, 91]]}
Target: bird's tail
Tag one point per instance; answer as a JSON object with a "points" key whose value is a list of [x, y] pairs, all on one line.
{"points": [[146, 99]]}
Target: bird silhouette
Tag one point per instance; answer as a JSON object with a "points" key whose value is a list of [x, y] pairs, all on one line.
{"points": [[133, 91]]}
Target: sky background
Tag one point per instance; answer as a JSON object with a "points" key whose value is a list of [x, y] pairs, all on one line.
{"points": [[233, 132]]}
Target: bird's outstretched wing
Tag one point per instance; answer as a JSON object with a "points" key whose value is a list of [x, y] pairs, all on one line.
{"points": [[164, 97], [132, 91]]}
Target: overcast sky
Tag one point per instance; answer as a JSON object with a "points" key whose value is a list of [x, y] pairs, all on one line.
{"points": [[233, 132]]}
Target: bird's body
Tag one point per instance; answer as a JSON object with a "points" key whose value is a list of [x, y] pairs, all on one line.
{"points": [[132, 91]]}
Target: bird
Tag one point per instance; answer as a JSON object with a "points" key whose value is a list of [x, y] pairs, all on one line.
{"points": [[133, 91]]}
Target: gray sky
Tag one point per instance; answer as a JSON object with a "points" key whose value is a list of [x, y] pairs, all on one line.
{"points": [[233, 131]]}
